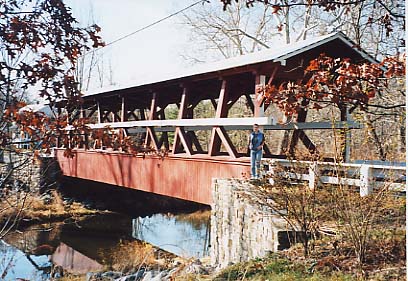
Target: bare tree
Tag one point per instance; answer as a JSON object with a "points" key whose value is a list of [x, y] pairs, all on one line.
{"points": [[377, 28], [92, 71], [223, 34]]}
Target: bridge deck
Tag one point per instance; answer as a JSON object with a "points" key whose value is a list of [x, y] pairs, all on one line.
{"points": [[180, 176]]}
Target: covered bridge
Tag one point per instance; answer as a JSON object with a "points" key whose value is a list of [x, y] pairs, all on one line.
{"points": [[141, 109]]}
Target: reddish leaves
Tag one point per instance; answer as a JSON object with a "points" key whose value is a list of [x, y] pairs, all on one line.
{"points": [[334, 81], [47, 32], [41, 43]]}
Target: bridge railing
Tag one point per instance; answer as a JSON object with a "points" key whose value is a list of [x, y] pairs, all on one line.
{"points": [[154, 133], [366, 177]]}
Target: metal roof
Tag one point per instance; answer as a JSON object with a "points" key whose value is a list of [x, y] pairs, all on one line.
{"points": [[274, 55]]}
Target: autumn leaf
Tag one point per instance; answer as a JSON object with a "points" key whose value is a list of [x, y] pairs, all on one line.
{"points": [[276, 9]]}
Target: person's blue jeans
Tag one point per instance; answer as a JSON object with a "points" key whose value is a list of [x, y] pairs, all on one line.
{"points": [[256, 156]]}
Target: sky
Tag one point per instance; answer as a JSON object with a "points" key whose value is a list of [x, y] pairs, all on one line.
{"points": [[152, 51]]}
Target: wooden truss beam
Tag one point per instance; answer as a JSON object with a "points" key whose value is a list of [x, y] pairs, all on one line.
{"points": [[105, 116], [91, 112], [219, 135], [300, 134], [115, 116], [214, 103], [151, 138], [180, 136], [164, 138], [220, 112], [250, 103], [132, 113], [193, 137], [226, 141], [270, 81]]}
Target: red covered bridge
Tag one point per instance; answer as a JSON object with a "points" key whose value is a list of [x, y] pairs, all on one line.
{"points": [[199, 148]]}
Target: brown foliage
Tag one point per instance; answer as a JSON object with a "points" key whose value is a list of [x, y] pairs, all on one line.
{"points": [[330, 81], [41, 43]]}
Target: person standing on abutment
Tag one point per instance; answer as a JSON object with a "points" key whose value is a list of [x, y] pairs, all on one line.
{"points": [[256, 142]]}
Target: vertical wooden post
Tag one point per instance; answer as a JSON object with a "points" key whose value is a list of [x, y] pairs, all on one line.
{"points": [[314, 175], [82, 136], [99, 113], [345, 116], [123, 111], [222, 110], [258, 102], [183, 103], [365, 180], [153, 107], [271, 172]]}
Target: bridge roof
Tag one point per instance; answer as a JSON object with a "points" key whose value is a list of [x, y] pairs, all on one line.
{"points": [[276, 55]]}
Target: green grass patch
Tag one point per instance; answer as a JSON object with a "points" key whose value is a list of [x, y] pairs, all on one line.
{"points": [[278, 269]]}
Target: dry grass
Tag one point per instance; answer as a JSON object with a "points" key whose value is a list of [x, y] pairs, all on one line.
{"points": [[30, 207], [129, 256], [132, 254]]}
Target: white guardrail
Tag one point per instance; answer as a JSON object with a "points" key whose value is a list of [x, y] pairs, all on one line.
{"points": [[365, 176]]}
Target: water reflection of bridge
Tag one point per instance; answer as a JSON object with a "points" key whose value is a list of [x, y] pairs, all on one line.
{"points": [[141, 110], [73, 261], [77, 248], [99, 242]]}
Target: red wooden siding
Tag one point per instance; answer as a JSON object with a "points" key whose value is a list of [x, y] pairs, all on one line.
{"points": [[187, 178]]}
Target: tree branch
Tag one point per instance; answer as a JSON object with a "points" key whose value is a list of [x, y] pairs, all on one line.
{"points": [[249, 36]]}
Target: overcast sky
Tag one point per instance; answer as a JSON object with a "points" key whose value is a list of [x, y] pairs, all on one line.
{"points": [[155, 50]]}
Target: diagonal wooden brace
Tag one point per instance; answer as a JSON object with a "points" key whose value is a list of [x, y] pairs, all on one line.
{"points": [[219, 137], [151, 138], [193, 137], [181, 138]]}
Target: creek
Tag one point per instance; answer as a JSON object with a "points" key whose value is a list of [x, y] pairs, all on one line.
{"points": [[95, 243]]}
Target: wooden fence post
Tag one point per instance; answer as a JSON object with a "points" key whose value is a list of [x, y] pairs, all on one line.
{"points": [[365, 180], [313, 175]]}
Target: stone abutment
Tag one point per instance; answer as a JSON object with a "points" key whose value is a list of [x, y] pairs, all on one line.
{"points": [[241, 228]]}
